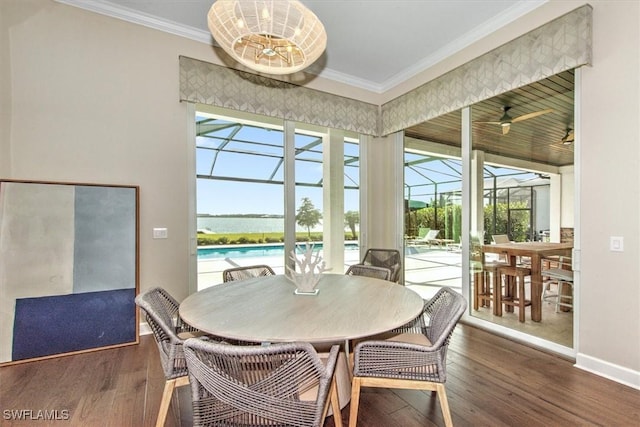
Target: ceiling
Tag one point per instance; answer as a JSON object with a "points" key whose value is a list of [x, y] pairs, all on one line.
{"points": [[538, 139], [376, 45]]}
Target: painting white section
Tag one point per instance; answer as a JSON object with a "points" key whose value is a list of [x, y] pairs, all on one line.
{"points": [[36, 248]]}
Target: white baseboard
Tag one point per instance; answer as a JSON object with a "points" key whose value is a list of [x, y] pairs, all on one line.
{"points": [[608, 370], [144, 329]]}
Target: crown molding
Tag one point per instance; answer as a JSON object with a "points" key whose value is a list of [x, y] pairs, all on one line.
{"points": [[136, 17]]}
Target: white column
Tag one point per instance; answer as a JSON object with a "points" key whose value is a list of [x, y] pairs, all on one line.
{"points": [[477, 192], [289, 191], [555, 203], [193, 198], [384, 193], [333, 200], [363, 236], [466, 198]]}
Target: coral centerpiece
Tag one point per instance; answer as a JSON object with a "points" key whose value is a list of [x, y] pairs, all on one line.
{"points": [[307, 272]]}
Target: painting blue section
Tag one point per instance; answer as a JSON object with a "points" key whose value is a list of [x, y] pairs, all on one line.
{"points": [[105, 239], [65, 323]]}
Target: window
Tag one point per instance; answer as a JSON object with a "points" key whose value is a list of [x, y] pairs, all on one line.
{"points": [[241, 193]]}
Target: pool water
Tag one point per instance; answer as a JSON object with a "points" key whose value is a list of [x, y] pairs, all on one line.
{"points": [[245, 251]]}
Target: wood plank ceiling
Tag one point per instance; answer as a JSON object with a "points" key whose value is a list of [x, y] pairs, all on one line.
{"points": [[537, 139]]}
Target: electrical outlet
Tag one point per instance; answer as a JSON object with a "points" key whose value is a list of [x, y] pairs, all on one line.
{"points": [[160, 233]]}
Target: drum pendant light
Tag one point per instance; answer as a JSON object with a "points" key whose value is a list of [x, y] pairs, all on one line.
{"points": [[269, 36]]}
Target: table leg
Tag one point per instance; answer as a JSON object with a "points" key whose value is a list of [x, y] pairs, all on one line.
{"points": [[342, 376], [347, 354], [497, 292], [536, 288]]}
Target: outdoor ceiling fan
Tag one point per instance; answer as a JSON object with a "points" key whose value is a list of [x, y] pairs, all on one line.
{"points": [[568, 137], [506, 120]]}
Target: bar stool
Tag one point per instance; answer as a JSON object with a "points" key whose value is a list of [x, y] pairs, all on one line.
{"points": [[558, 270], [485, 285], [563, 297], [514, 292]]}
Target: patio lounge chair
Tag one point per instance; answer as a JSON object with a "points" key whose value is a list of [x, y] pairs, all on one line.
{"points": [[430, 238]]}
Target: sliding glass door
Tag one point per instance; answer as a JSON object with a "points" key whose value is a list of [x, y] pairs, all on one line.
{"points": [[515, 182], [521, 176]]}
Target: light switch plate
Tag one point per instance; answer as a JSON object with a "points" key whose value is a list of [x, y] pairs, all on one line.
{"points": [[616, 244]]}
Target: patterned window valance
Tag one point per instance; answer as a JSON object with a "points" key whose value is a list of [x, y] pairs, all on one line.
{"points": [[220, 86], [559, 45]]}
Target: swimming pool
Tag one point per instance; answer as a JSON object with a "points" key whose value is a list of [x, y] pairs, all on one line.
{"points": [[245, 251]]}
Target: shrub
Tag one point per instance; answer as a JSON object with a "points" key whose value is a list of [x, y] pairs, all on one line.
{"points": [[204, 240]]}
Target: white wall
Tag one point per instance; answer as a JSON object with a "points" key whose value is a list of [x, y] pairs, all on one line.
{"points": [[94, 99], [5, 93], [609, 139]]}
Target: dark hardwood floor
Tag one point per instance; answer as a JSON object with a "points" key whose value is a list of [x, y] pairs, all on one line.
{"points": [[491, 382]]}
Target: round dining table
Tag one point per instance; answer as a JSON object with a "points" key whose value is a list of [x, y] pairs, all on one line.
{"points": [[266, 309]]}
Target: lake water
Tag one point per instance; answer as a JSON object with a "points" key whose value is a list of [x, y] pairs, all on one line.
{"points": [[246, 225]]}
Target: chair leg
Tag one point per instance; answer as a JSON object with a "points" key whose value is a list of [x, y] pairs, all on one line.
{"points": [[476, 290], [355, 401], [560, 295], [497, 293], [546, 290], [169, 386], [335, 403], [444, 405], [167, 394], [521, 297]]}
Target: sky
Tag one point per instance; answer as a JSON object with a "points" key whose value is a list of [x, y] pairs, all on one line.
{"points": [[239, 159], [220, 197]]}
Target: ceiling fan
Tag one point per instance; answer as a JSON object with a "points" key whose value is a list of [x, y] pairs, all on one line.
{"points": [[568, 137], [506, 120]]}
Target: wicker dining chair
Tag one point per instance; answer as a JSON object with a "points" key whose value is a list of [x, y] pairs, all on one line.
{"points": [[369, 271], [388, 258], [170, 332], [246, 272], [414, 357], [285, 384]]}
